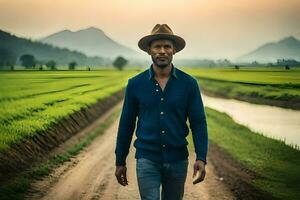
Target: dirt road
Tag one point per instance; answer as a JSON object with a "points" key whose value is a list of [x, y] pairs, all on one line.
{"points": [[91, 176]]}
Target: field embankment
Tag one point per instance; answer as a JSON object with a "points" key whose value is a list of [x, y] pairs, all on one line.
{"points": [[23, 154], [253, 166], [39, 110], [271, 86]]}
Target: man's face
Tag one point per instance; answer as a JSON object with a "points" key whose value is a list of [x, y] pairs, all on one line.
{"points": [[162, 52]]}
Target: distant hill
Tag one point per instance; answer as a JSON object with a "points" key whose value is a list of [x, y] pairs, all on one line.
{"points": [[91, 41], [287, 48], [44, 52]]}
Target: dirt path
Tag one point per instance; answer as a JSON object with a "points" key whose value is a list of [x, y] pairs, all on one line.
{"points": [[91, 176]]}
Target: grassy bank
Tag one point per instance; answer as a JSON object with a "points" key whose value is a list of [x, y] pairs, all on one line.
{"points": [[270, 86], [252, 75], [17, 188], [283, 96], [276, 164]]}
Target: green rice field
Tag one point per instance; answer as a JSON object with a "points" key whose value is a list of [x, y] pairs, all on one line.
{"points": [[254, 75], [31, 101], [261, 83]]}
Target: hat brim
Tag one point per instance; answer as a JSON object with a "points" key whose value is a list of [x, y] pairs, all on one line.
{"points": [[144, 42]]}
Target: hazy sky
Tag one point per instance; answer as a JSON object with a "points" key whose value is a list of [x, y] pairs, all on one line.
{"points": [[211, 28]]}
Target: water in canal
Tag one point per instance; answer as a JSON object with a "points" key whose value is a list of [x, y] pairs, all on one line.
{"points": [[271, 121]]}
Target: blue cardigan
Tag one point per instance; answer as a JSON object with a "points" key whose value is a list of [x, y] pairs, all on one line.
{"points": [[161, 127]]}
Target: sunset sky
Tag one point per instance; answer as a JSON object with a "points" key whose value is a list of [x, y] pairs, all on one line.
{"points": [[211, 28]]}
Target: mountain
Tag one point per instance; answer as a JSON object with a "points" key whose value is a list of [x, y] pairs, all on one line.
{"points": [[91, 41], [287, 48], [16, 46]]}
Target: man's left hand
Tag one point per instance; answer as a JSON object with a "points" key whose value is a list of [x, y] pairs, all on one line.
{"points": [[199, 166]]}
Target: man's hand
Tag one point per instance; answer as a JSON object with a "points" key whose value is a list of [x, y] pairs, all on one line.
{"points": [[199, 166], [121, 175]]}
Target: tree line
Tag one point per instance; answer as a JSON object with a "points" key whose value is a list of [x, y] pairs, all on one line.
{"points": [[7, 58]]}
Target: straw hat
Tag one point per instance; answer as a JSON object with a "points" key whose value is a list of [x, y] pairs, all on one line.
{"points": [[161, 31]]}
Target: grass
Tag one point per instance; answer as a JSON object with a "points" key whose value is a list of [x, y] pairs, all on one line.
{"points": [[234, 90], [277, 163], [254, 75], [31, 101], [263, 84], [17, 188]]}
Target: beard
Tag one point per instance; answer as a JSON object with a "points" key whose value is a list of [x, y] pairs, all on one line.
{"points": [[161, 63]]}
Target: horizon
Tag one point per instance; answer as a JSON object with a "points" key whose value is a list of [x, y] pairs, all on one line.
{"points": [[240, 27], [180, 58]]}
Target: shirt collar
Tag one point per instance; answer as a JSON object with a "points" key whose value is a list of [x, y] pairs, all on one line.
{"points": [[151, 71]]}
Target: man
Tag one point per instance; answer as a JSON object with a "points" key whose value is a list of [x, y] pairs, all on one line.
{"points": [[162, 98]]}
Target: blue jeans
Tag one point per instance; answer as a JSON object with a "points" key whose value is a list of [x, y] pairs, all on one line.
{"points": [[171, 176]]}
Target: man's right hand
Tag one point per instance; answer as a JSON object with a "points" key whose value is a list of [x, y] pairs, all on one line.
{"points": [[121, 175]]}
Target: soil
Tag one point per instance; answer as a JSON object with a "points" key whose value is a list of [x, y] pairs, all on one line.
{"points": [[91, 176], [237, 177]]}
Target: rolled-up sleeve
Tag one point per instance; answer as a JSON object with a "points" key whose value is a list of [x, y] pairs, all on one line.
{"points": [[126, 125], [197, 120]]}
